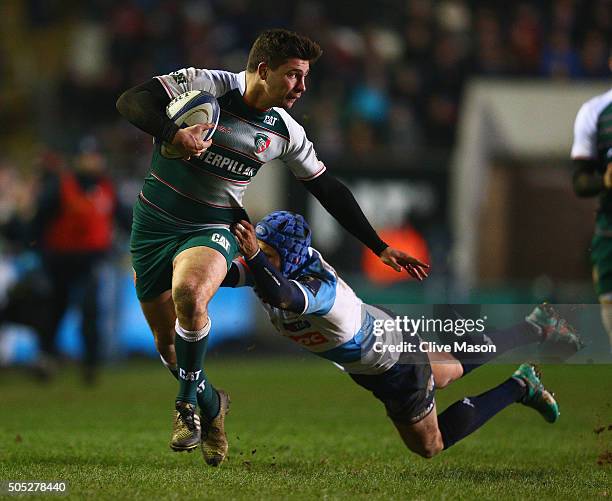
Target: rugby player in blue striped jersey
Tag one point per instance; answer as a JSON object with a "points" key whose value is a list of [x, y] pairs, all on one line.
{"points": [[309, 303]]}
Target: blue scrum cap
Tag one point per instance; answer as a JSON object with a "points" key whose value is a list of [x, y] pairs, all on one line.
{"points": [[288, 233]]}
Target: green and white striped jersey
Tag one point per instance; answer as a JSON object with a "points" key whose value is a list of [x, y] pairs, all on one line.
{"points": [[209, 190], [593, 138]]}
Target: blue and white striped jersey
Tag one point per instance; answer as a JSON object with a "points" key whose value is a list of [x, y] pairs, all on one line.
{"points": [[335, 323]]}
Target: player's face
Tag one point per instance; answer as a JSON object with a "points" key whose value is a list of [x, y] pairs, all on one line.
{"points": [[271, 254], [287, 83]]}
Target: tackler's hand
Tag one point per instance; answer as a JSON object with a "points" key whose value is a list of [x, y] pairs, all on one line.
{"points": [[246, 238]]}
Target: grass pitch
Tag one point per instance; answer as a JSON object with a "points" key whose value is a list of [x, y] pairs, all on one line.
{"points": [[299, 429]]}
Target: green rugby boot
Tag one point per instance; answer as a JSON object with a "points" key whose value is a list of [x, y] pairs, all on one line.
{"points": [[536, 396], [186, 431], [214, 439], [554, 328]]}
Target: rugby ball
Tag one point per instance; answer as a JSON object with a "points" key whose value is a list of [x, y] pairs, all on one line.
{"points": [[191, 108]]}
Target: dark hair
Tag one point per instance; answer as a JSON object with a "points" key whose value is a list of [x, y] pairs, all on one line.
{"points": [[274, 47]]}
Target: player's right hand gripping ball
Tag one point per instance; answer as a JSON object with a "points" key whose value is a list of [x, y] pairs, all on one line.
{"points": [[191, 108]]}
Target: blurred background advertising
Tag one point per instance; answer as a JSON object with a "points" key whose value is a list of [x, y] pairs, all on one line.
{"points": [[451, 121]]}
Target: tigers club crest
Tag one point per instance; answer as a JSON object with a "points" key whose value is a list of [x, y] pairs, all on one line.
{"points": [[261, 143]]}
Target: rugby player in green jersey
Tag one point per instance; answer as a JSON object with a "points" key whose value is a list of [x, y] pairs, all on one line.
{"points": [[592, 156], [181, 243]]}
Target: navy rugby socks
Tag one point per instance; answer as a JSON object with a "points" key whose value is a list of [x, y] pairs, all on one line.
{"points": [[194, 386], [465, 416]]}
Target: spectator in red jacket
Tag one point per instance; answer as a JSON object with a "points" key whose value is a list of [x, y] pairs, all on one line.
{"points": [[73, 227]]}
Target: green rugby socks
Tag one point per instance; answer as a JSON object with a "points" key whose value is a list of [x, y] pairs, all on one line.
{"points": [[207, 396], [190, 349]]}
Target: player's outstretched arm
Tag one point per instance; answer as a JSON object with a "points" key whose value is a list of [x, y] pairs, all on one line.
{"points": [[587, 181], [341, 204]]}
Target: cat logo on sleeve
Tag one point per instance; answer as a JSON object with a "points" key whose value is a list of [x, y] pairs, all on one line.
{"points": [[179, 78]]}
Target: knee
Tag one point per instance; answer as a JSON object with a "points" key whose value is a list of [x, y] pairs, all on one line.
{"points": [[426, 444], [189, 300], [445, 374], [429, 447], [455, 373], [443, 382]]}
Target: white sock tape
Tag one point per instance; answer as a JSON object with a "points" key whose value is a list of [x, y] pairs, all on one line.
{"points": [[168, 365], [193, 336]]}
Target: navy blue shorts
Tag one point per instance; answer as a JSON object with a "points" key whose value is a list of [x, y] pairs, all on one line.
{"points": [[407, 390]]}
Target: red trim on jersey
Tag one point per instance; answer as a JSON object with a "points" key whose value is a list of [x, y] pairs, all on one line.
{"points": [[240, 152], [157, 208], [254, 124], [165, 86], [315, 175], [190, 197], [243, 262], [234, 181]]}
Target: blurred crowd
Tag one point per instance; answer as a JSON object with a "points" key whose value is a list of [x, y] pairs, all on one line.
{"points": [[390, 80]]}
